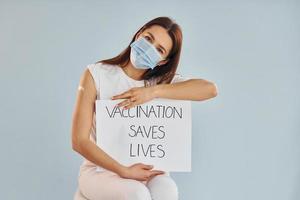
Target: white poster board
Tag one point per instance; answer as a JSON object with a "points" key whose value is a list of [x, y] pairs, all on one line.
{"points": [[157, 132]]}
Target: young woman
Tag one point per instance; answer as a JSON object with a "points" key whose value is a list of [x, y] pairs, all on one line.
{"points": [[145, 70]]}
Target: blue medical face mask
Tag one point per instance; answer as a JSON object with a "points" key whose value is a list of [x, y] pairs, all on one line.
{"points": [[143, 54]]}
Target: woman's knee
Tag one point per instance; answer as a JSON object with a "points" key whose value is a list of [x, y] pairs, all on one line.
{"points": [[163, 187], [105, 186], [136, 190]]}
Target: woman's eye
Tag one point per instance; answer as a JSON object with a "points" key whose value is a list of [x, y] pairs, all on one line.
{"points": [[160, 51], [148, 38]]}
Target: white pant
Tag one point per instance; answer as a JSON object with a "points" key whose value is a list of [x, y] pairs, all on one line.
{"points": [[107, 185]]}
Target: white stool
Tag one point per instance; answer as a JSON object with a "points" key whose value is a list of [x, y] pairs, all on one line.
{"points": [[79, 196]]}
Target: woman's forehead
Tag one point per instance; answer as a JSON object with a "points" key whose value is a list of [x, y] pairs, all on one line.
{"points": [[161, 36]]}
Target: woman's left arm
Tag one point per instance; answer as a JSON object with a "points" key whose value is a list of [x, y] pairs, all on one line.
{"points": [[191, 89]]}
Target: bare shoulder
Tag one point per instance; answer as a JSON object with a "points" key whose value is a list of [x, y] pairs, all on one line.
{"points": [[86, 85]]}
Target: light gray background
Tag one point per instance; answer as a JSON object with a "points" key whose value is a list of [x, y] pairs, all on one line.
{"points": [[245, 141]]}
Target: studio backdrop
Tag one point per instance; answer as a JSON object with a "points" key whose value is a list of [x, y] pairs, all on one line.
{"points": [[245, 141]]}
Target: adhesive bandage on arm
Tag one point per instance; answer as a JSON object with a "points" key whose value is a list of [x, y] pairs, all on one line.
{"points": [[80, 88]]}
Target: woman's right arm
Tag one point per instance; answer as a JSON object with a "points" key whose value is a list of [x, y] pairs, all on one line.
{"points": [[81, 124]]}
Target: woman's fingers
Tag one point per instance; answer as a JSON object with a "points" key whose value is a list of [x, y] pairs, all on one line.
{"points": [[144, 172], [154, 173], [127, 94], [132, 104], [122, 95], [147, 166], [157, 172], [123, 103]]}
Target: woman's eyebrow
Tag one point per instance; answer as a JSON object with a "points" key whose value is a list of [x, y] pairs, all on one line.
{"points": [[153, 38]]}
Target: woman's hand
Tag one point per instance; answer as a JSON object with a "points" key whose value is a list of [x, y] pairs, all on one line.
{"points": [[140, 172], [135, 96]]}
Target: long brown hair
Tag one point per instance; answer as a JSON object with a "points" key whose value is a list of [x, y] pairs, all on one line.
{"points": [[163, 73]]}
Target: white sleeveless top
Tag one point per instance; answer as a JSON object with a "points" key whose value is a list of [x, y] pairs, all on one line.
{"points": [[111, 80]]}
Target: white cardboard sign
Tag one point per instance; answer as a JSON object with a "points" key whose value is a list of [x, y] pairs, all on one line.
{"points": [[157, 132]]}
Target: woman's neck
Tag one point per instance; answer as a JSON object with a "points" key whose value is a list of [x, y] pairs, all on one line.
{"points": [[133, 72]]}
